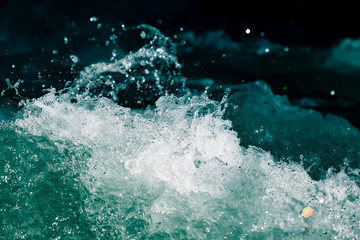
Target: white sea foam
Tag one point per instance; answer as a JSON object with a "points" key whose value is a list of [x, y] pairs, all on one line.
{"points": [[178, 169]]}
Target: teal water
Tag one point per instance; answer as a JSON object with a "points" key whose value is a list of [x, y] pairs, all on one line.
{"points": [[75, 164]]}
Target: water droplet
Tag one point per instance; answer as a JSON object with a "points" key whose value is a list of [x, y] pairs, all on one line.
{"points": [[74, 59], [143, 34], [99, 25], [267, 50], [113, 55], [286, 49], [66, 40], [93, 19], [332, 92], [113, 37], [55, 51], [247, 31]]}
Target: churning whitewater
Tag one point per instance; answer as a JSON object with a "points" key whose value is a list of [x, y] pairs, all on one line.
{"points": [[79, 163]]}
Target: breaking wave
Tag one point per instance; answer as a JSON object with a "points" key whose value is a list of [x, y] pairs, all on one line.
{"points": [[82, 163]]}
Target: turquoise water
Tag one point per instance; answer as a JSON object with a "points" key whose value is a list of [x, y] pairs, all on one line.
{"points": [[76, 164]]}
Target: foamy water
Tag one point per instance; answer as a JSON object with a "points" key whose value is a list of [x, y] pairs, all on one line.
{"points": [[79, 165]]}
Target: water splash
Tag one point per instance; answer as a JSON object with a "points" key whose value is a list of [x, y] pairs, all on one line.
{"points": [[179, 170], [76, 164], [138, 78], [12, 86]]}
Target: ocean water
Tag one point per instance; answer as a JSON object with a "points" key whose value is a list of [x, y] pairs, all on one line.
{"points": [[129, 150]]}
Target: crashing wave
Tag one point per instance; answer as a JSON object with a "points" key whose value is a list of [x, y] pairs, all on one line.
{"points": [[77, 164]]}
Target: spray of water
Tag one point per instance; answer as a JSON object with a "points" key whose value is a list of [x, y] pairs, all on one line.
{"points": [[176, 170]]}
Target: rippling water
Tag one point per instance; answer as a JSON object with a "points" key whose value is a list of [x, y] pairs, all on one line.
{"points": [[127, 150]]}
